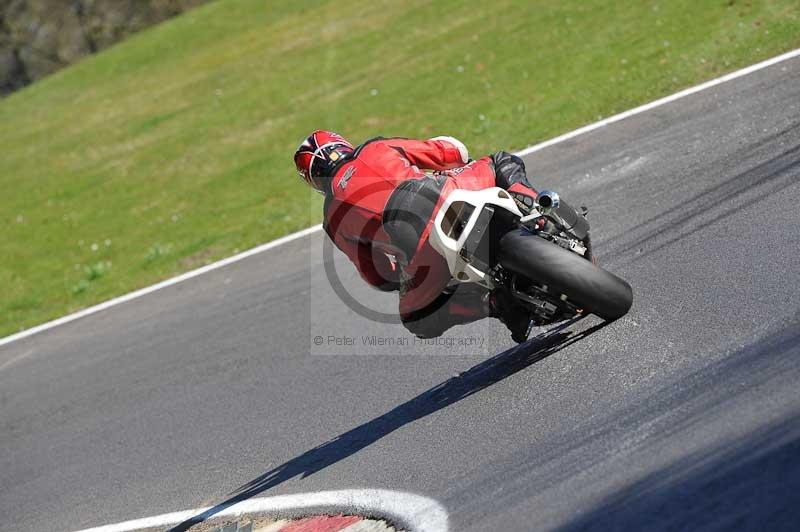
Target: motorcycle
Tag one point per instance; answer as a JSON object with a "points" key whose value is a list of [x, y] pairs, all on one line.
{"points": [[541, 257]]}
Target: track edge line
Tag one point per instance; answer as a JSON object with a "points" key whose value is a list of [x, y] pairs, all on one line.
{"points": [[408, 510]]}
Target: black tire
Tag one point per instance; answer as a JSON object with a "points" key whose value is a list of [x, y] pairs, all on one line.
{"points": [[585, 285]]}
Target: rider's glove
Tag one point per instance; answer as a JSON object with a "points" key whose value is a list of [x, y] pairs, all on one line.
{"points": [[524, 197]]}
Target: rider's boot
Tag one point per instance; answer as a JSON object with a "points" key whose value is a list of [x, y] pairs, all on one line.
{"points": [[516, 317]]}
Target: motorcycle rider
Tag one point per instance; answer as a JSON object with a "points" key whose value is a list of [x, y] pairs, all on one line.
{"points": [[379, 207]]}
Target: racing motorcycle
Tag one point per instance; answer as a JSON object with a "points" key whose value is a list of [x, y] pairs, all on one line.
{"points": [[542, 257]]}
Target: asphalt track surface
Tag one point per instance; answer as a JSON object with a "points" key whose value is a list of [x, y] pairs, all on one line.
{"points": [[683, 414]]}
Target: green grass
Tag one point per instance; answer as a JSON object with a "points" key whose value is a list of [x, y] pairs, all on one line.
{"points": [[174, 148]]}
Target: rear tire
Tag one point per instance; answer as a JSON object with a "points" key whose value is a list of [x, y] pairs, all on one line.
{"points": [[586, 285]]}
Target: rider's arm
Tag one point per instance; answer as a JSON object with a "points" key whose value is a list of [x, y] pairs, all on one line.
{"points": [[438, 153], [510, 174]]}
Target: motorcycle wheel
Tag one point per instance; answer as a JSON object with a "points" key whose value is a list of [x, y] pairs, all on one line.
{"points": [[586, 285]]}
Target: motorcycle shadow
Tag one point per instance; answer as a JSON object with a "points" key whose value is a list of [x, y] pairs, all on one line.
{"points": [[454, 389]]}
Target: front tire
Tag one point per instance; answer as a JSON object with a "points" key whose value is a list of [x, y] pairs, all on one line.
{"points": [[586, 285]]}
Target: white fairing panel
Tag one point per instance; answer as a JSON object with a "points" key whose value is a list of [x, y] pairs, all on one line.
{"points": [[450, 248]]}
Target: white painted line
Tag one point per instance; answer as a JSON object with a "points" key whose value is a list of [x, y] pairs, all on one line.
{"points": [[314, 229], [660, 102], [412, 512]]}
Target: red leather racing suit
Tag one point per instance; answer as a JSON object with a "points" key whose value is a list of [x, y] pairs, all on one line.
{"points": [[356, 206]]}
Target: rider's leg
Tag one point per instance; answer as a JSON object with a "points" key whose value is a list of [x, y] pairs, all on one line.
{"points": [[424, 309], [506, 171]]}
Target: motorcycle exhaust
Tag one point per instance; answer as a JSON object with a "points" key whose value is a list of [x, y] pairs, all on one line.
{"points": [[548, 200], [562, 214]]}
